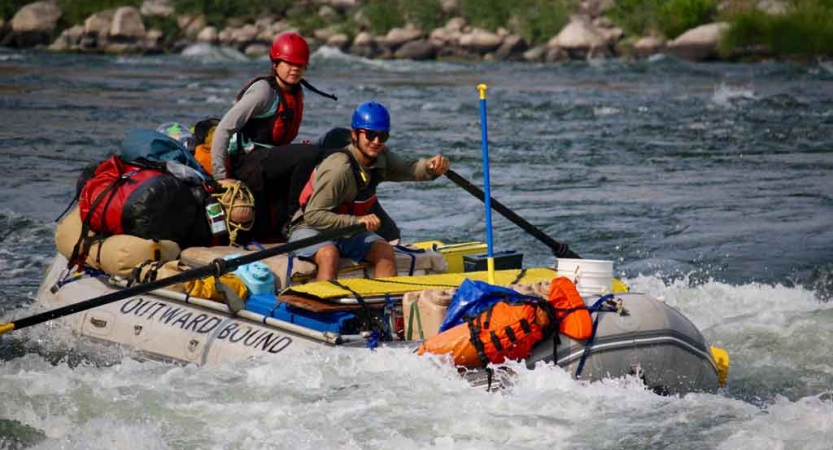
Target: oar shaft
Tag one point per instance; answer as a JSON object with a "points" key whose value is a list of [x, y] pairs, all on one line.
{"points": [[217, 268], [560, 250]]}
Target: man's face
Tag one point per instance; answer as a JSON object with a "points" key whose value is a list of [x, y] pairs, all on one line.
{"points": [[371, 143]]}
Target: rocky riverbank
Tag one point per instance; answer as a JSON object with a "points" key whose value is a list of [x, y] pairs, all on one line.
{"points": [[588, 31]]}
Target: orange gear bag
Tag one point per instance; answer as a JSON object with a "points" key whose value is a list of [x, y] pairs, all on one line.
{"points": [[573, 317], [504, 331], [203, 155]]}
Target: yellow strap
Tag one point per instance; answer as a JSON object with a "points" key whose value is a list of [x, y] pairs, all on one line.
{"points": [[6, 327]]}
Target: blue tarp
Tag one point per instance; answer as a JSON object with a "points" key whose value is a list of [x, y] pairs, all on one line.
{"points": [[155, 146], [473, 297]]}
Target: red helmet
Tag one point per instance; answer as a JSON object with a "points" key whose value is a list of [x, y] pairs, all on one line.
{"points": [[290, 47]]}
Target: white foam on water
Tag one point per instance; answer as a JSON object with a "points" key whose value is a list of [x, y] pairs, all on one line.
{"points": [[11, 57], [726, 95], [806, 423], [325, 53], [713, 302], [138, 60], [208, 53], [211, 99], [336, 398], [606, 111], [657, 57]]}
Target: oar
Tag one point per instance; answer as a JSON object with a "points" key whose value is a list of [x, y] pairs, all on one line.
{"points": [[560, 249], [217, 268]]}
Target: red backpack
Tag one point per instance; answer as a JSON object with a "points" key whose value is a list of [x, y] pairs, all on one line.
{"points": [[104, 195], [140, 199]]}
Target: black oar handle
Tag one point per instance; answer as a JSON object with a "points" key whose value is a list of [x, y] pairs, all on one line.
{"points": [[560, 250], [217, 268]]}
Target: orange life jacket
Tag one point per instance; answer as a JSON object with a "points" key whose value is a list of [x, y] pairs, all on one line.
{"points": [[366, 183], [503, 331], [280, 128], [510, 330], [572, 314]]}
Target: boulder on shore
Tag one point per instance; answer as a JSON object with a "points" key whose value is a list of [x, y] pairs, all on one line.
{"points": [[698, 44], [34, 24]]}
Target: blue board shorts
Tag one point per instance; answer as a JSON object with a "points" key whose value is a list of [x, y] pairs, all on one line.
{"points": [[354, 247]]}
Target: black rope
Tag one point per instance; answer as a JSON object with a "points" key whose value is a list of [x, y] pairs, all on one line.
{"points": [[312, 88], [520, 276], [368, 321]]}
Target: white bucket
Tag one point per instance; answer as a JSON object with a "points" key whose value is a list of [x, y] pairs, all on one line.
{"points": [[591, 276]]}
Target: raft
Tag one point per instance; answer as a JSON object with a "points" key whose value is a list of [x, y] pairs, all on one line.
{"points": [[645, 338]]}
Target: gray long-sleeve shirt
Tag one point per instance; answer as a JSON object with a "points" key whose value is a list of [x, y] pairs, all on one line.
{"points": [[258, 100], [335, 184]]}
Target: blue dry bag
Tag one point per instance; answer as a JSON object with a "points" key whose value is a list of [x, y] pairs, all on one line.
{"points": [[473, 297]]}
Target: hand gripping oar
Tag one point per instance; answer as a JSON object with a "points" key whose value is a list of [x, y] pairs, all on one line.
{"points": [[560, 250], [216, 268]]}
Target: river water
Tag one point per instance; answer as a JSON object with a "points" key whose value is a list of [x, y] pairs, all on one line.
{"points": [[708, 185]]}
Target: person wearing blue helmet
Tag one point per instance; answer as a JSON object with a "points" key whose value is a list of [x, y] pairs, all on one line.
{"points": [[342, 192]]}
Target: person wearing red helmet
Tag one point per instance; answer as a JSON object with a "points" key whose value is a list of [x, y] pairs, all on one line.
{"points": [[342, 192], [252, 141]]}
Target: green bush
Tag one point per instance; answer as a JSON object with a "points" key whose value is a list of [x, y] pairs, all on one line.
{"points": [[75, 12], [426, 14], [805, 29], [669, 18], [217, 11], [167, 25], [307, 23], [488, 14], [678, 16], [9, 7], [539, 20], [383, 16], [637, 17]]}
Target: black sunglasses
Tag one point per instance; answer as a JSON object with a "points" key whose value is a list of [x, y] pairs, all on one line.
{"points": [[372, 135]]}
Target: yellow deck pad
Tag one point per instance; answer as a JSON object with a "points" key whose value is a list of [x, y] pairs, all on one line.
{"points": [[379, 287]]}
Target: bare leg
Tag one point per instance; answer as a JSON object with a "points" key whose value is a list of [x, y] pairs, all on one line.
{"points": [[382, 257], [326, 258]]}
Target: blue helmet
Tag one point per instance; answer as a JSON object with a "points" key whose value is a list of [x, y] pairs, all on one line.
{"points": [[371, 116]]}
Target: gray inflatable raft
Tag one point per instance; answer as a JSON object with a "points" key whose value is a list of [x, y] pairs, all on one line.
{"points": [[647, 338]]}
